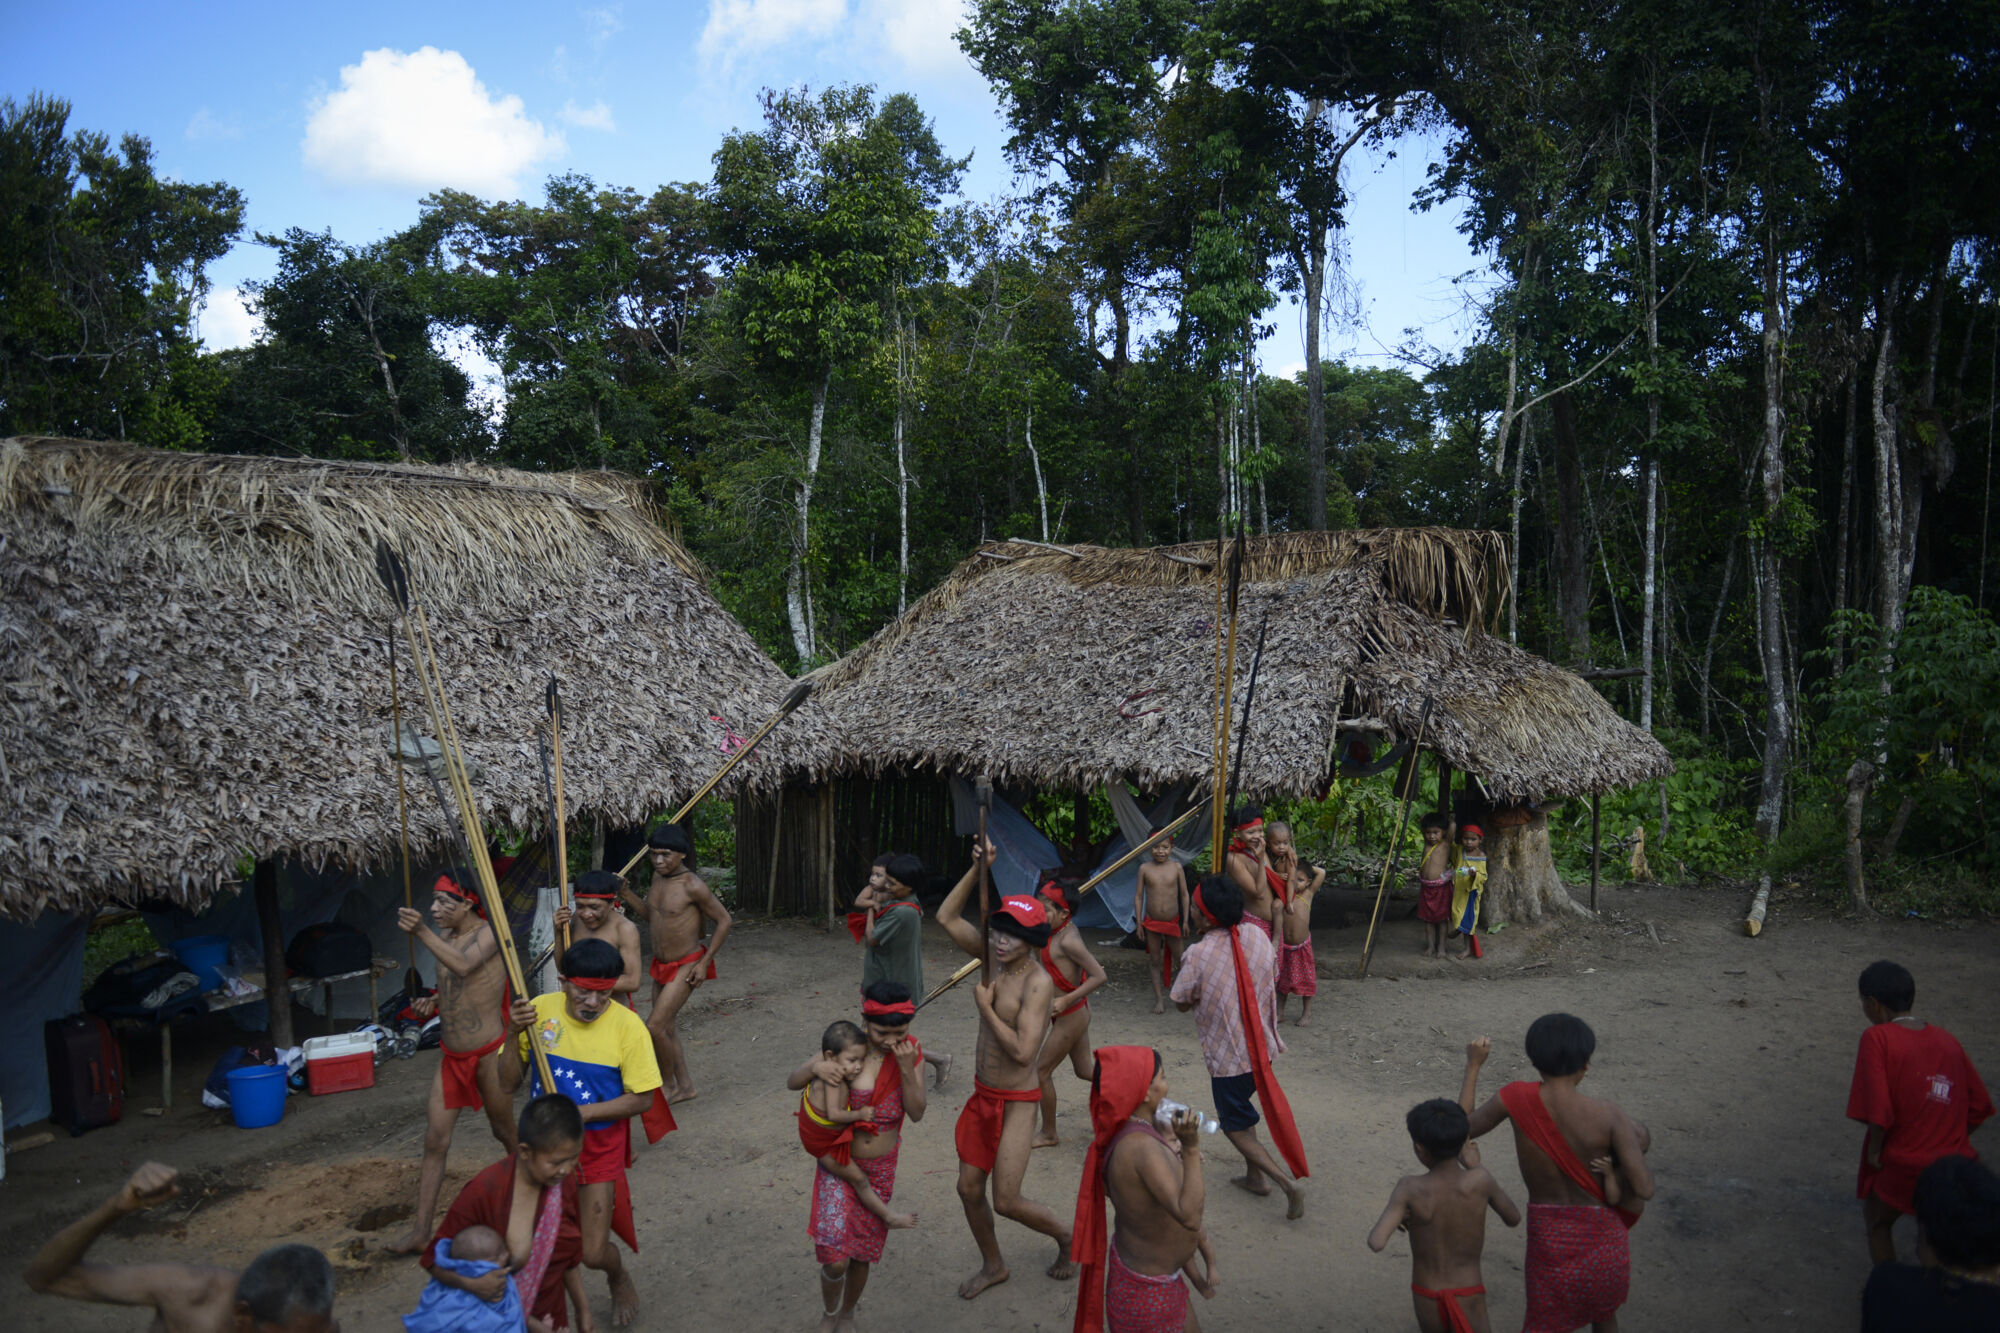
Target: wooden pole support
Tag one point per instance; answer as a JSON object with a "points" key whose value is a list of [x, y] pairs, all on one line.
{"points": [[1597, 849]]}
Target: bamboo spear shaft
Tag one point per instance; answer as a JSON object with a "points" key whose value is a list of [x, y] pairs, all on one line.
{"points": [[402, 810], [1396, 843], [396, 576], [1223, 714], [562, 824], [800, 692], [984, 790]]}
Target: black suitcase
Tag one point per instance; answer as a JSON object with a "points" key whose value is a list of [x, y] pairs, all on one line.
{"points": [[86, 1073]]}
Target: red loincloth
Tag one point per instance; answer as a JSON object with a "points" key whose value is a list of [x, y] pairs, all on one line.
{"points": [[821, 1137], [1578, 1266], [460, 1072], [1063, 984], [606, 1154], [839, 1226], [1434, 900], [658, 1120], [664, 972], [1142, 1303], [977, 1134], [1524, 1107], [1170, 929], [487, 1201], [1455, 1320], [1296, 973]]}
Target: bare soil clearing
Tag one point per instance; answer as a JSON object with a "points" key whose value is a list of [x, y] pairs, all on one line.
{"points": [[1736, 1052]]}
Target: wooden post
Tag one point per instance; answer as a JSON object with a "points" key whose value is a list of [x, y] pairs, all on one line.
{"points": [[277, 986], [826, 847], [1444, 787], [1596, 848], [777, 834]]}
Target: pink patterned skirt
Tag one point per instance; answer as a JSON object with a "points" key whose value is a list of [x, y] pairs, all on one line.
{"points": [[1141, 1302], [1296, 974], [1579, 1266], [840, 1227]]}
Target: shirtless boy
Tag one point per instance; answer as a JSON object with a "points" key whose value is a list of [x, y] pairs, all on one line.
{"points": [[1444, 1210], [1159, 904], [998, 1123], [1076, 973], [1579, 1264], [288, 1289], [471, 986], [595, 916], [1296, 970], [675, 907], [1132, 1281], [1434, 883], [1262, 887]]}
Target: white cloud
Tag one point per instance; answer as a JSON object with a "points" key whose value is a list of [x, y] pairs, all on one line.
{"points": [[604, 23], [737, 28], [921, 34], [205, 124], [596, 116], [225, 320], [423, 120]]}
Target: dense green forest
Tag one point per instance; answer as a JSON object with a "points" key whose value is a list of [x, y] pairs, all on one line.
{"points": [[1731, 392]]}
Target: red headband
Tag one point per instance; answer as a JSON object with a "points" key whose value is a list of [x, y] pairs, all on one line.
{"points": [[1473, 830], [592, 983], [876, 1009], [446, 884], [1247, 826], [1056, 894], [607, 894], [1202, 907]]}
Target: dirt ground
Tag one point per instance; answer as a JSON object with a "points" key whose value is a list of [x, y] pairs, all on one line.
{"points": [[1736, 1052]]}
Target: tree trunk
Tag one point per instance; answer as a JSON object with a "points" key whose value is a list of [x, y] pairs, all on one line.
{"points": [[1714, 628], [1315, 294], [1771, 631], [798, 596], [1647, 581], [1514, 546], [1845, 536], [902, 481], [1522, 885], [277, 982], [1035, 459], [1647, 587], [1860, 777], [1897, 824], [1573, 532]]}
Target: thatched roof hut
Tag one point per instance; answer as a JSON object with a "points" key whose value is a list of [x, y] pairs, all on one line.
{"points": [[1072, 666], [196, 661]]}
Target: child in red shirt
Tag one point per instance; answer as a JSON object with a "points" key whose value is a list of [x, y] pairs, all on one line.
{"points": [[1918, 1094]]}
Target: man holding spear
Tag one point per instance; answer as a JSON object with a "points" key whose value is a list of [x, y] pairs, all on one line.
{"points": [[996, 1128]]}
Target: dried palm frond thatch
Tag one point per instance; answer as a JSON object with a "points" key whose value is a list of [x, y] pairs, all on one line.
{"points": [[196, 660], [1072, 666]]}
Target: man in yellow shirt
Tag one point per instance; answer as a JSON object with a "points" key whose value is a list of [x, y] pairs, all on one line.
{"points": [[601, 1057]]}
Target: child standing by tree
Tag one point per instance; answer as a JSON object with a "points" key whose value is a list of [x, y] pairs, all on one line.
{"points": [[1468, 888], [1434, 885], [1444, 1210], [827, 1125]]}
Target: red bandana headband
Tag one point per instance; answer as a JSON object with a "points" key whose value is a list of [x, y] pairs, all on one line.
{"points": [[1056, 894], [592, 983], [1246, 827], [602, 895], [905, 1009], [1202, 907], [1472, 831], [446, 884]]}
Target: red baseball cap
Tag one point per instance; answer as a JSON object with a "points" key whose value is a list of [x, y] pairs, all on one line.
{"points": [[1025, 911]]}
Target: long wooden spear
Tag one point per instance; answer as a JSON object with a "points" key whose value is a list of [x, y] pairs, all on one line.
{"points": [[402, 812], [798, 694], [1227, 708], [395, 577], [561, 824], [1396, 843], [983, 789]]}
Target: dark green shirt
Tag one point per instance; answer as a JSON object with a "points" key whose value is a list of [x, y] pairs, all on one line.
{"points": [[898, 952]]}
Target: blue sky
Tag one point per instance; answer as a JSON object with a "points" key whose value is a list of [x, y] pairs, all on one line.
{"points": [[343, 116]]}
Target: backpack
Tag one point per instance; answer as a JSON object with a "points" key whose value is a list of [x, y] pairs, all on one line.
{"points": [[123, 988], [328, 950]]}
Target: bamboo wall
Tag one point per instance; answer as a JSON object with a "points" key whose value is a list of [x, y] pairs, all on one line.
{"points": [[868, 818]]}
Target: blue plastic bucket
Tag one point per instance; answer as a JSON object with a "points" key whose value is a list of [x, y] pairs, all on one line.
{"points": [[202, 955], [257, 1095]]}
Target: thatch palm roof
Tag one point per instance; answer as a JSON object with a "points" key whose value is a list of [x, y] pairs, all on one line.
{"points": [[196, 660], [1073, 666]]}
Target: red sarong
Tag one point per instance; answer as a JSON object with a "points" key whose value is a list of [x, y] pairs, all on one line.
{"points": [[1524, 1107], [977, 1134], [1141, 1302], [460, 1072], [1171, 930], [1434, 900], [664, 972], [1455, 1319], [487, 1201], [1296, 973], [1578, 1266]]}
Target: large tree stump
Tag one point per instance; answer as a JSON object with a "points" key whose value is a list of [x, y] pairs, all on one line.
{"points": [[1522, 886]]}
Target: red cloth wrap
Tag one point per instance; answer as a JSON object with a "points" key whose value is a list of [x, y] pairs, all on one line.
{"points": [[664, 972], [446, 884], [658, 1120], [1142, 1302], [1455, 1320], [1277, 1110], [819, 1140], [1434, 900], [977, 1134], [1524, 1107], [487, 1201], [1063, 984], [1171, 929], [1156, 927], [1281, 889], [591, 983], [1296, 973], [1123, 1075], [460, 1073], [857, 922], [1578, 1266], [904, 1009]]}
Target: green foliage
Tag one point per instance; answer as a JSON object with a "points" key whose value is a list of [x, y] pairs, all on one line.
{"points": [[114, 943], [1324, 830], [1708, 819]]}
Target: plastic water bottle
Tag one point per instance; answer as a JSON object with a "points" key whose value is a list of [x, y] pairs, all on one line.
{"points": [[1164, 1118]]}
